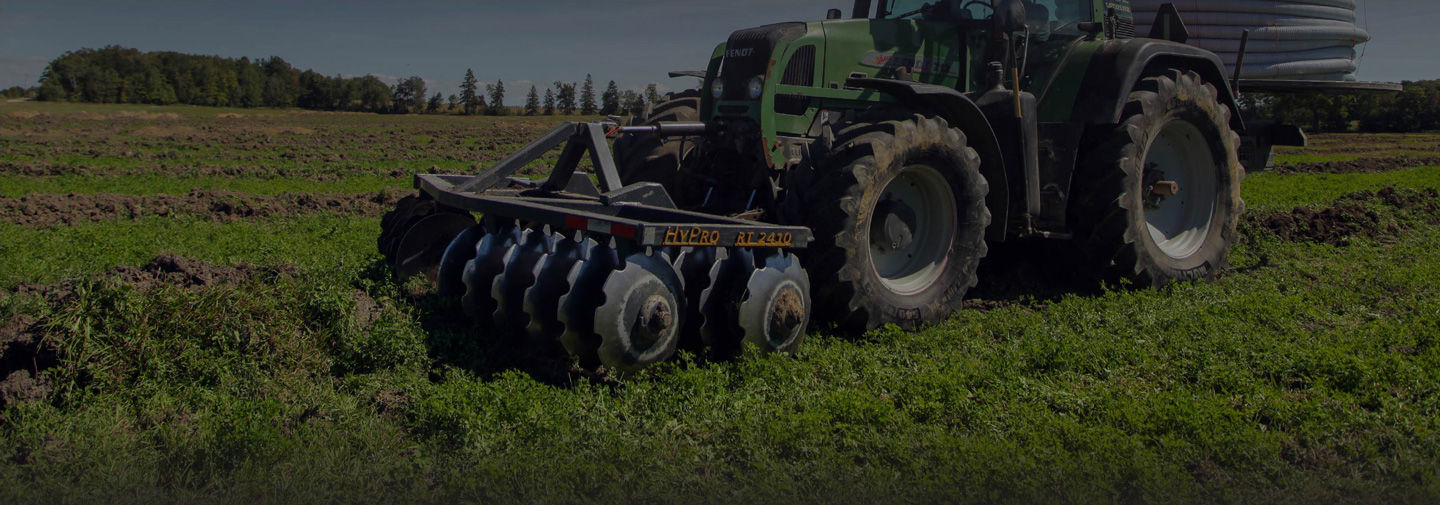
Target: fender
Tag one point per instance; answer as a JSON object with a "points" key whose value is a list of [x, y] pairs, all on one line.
{"points": [[962, 113], [1125, 62]]}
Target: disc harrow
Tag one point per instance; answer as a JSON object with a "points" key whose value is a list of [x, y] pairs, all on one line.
{"points": [[615, 276]]}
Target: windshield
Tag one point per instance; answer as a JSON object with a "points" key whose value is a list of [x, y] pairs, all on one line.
{"points": [[1044, 15]]}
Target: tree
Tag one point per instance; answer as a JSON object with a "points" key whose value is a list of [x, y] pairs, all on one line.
{"points": [[633, 103], [610, 100], [434, 105], [374, 95], [453, 101], [549, 101], [497, 98], [468, 99], [587, 97], [532, 102], [565, 97], [652, 94], [409, 95]]}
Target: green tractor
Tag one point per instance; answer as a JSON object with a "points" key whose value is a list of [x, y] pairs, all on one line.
{"points": [[883, 152]]}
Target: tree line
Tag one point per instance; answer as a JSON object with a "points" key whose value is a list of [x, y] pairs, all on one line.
{"points": [[1416, 109], [115, 74]]}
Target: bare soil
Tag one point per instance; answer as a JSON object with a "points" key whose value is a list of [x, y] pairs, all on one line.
{"points": [[52, 209], [1360, 165], [1348, 218]]}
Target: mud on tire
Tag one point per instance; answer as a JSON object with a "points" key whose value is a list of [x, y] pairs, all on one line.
{"points": [[852, 204], [1174, 128]]}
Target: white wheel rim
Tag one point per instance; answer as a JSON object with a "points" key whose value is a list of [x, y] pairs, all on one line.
{"points": [[916, 266], [1179, 224]]}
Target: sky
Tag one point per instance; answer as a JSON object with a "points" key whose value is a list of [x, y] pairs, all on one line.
{"points": [[520, 42]]}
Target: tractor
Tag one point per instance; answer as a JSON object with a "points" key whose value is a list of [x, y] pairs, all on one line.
{"points": [[851, 171]]}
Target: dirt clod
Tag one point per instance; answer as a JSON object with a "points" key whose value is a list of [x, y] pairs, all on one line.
{"points": [[24, 355], [1361, 165], [1346, 219]]}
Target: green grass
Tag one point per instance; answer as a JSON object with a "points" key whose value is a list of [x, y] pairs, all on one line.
{"points": [[1277, 385], [17, 186], [1270, 191], [44, 255], [1310, 373]]}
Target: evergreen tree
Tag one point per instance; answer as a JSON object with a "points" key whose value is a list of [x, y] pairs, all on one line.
{"points": [[549, 101], [497, 98], [587, 97], [652, 94], [532, 102], [610, 100], [434, 105], [453, 101], [468, 99]]}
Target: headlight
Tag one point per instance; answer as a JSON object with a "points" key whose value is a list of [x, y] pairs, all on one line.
{"points": [[717, 89], [757, 87]]}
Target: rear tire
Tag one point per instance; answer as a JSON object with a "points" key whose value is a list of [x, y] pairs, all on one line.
{"points": [[1175, 130], [647, 157], [898, 209]]}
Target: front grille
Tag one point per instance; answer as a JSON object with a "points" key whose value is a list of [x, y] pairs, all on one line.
{"points": [[801, 70], [748, 52]]}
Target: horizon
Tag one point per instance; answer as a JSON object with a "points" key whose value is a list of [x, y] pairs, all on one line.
{"points": [[439, 41]]}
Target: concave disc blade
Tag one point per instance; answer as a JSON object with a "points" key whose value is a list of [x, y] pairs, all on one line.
{"points": [[420, 252], [719, 302], [639, 322], [577, 306], [518, 275], [694, 266], [542, 300], [775, 308], [448, 282], [480, 272]]}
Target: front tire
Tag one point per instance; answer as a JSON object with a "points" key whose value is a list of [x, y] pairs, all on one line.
{"points": [[898, 209], [1132, 222]]}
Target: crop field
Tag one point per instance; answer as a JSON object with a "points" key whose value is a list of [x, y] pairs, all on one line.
{"points": [[192, 310]]}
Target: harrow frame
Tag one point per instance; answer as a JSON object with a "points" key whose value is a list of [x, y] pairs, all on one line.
{"points": [[642, 212]]}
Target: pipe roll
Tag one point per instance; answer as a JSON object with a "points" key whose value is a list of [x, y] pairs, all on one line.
{"points": [[1289, 39]]}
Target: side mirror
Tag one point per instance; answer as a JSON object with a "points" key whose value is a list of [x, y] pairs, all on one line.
{"points": [[1009, 16]]}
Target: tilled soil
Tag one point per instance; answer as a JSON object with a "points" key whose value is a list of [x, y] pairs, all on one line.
{"points": [[25, 352], [37, 210], [1359, 165], [308, 146], [1348, 218]]}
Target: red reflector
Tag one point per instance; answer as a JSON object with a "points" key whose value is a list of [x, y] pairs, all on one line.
{"points": [[575, 222], [622, 230]]}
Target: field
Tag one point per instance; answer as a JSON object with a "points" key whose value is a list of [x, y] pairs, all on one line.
{"points": [[192, 310]]}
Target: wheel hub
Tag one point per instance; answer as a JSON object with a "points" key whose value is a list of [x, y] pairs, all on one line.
{"points": [[897, 225], [655, 318], [911, 230], [1179, 184], [788, 311]]}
